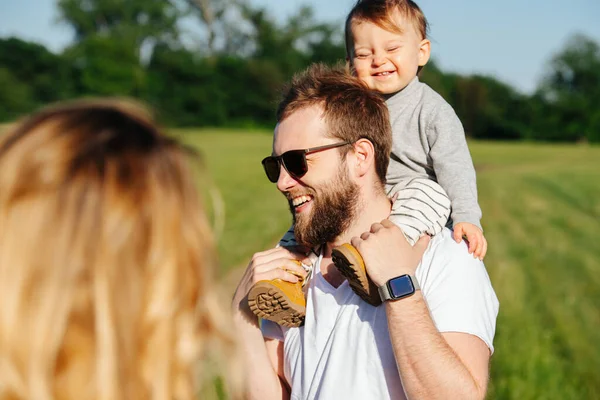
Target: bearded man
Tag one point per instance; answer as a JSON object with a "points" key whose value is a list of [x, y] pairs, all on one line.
{"points": [[331, 149]]}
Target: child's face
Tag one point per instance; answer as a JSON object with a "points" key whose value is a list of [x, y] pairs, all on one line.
{"points": [[387, 61]]}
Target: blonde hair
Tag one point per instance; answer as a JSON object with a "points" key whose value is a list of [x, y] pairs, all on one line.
{"points": [[106, 258]]}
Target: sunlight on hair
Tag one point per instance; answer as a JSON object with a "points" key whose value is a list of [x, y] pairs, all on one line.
{"points": [[106, 259]]}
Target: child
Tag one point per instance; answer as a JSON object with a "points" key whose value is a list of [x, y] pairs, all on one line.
{"points": [[387, 46]]}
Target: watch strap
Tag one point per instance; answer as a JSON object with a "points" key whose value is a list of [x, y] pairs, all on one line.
{"points": [[384, 291]]}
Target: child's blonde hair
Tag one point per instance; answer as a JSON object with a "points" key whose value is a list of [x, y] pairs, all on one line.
{"points": [[379, 12], [106, 258]]}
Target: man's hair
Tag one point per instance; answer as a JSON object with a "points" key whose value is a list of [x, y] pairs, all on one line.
{"points": [[350, 110], [379, 12]]}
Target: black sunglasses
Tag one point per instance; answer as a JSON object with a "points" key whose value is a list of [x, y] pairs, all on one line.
{"points": [[294, 161]]}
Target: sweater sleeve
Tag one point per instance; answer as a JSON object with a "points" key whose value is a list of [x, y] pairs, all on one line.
{"points": [[453, 165]]}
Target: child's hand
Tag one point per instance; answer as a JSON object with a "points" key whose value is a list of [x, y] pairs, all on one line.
{"points": [[475, 239]]}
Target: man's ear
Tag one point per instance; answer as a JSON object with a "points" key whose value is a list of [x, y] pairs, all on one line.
{"points": [[364, 154], [424, 52]]}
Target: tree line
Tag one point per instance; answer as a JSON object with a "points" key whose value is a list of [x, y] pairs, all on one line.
{"points": [[224, 62]]}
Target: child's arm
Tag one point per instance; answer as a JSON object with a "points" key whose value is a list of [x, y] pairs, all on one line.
{"points": [[455, 172], [420, 207]]}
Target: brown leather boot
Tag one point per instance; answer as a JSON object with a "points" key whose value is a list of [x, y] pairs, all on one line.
{"points": [[279, 301], [351, 265]]}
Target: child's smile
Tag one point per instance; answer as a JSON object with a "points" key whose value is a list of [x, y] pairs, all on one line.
{"points": [[388, 61]]}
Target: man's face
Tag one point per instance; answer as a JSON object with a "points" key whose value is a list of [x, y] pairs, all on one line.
{"points": [[387, 61], [323, 201], [334, 207]]}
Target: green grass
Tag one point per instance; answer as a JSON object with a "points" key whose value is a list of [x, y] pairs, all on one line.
{"points": [[541, 206]]}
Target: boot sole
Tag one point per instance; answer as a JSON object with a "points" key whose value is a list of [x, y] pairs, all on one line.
{"points": [[348, 261], [267, 301]]}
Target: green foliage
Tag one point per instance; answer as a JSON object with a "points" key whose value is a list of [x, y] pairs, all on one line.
{"points": [[105, 67], [15, 96], [488, 108], [572, 90], [133, 21], [33, 75], [110, 36], [196, 99], [297, 43], [214, 91]]}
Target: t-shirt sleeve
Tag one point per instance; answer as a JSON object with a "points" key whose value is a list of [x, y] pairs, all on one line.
{"points": [[458, 291], [271, 330]]}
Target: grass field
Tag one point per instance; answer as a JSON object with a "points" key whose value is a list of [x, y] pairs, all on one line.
{"points": [[541, 206]]}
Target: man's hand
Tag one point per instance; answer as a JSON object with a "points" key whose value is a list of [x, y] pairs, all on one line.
{"points": [[386, 252], [474, 236], [278, 263]]}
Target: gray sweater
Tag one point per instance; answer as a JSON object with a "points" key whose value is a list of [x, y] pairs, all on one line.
{"points": [[429, 142]]}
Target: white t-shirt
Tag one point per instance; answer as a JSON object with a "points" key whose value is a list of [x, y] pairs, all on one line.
{"points": [[343, 350]]}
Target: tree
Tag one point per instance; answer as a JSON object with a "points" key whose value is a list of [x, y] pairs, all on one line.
{"points": [[46, 75], [185, 88], [571, 91], [113, 38], [131, 22], [105, 67], [487, 108], [222, 19], [15, 97], [296, 44]]}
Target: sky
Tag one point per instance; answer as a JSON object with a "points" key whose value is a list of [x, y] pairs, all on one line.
{"points": [[510, 39]]}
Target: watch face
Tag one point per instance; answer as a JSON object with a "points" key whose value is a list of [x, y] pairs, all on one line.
{"points": [[401, 286]]}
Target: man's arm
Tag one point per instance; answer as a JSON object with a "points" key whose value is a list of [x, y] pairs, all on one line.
{"points": [[431, 364], [434, 365], [263, 359], [261, 377], [275, 352]]}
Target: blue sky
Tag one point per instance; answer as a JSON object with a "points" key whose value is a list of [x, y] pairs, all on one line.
{"points": [[509, 39]]}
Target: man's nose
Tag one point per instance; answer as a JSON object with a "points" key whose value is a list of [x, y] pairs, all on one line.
{"points": [[285, 181]]}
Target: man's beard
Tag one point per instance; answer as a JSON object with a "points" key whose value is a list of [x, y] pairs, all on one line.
{"points": [[333, 209]]}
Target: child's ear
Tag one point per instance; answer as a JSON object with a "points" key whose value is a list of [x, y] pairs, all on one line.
{"points": [[424, 51]]}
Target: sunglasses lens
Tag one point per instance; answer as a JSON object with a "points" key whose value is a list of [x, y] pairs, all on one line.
{"points": [[271, 167], [295, 163]]}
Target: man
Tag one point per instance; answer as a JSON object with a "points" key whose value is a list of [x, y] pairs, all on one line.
{"points": [[348, 349]]}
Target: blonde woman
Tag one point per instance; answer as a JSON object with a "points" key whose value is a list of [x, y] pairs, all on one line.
{"points": [[105, 259]]}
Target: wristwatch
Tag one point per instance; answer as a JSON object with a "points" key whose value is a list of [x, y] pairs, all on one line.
{"points": [[399, 287]]}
